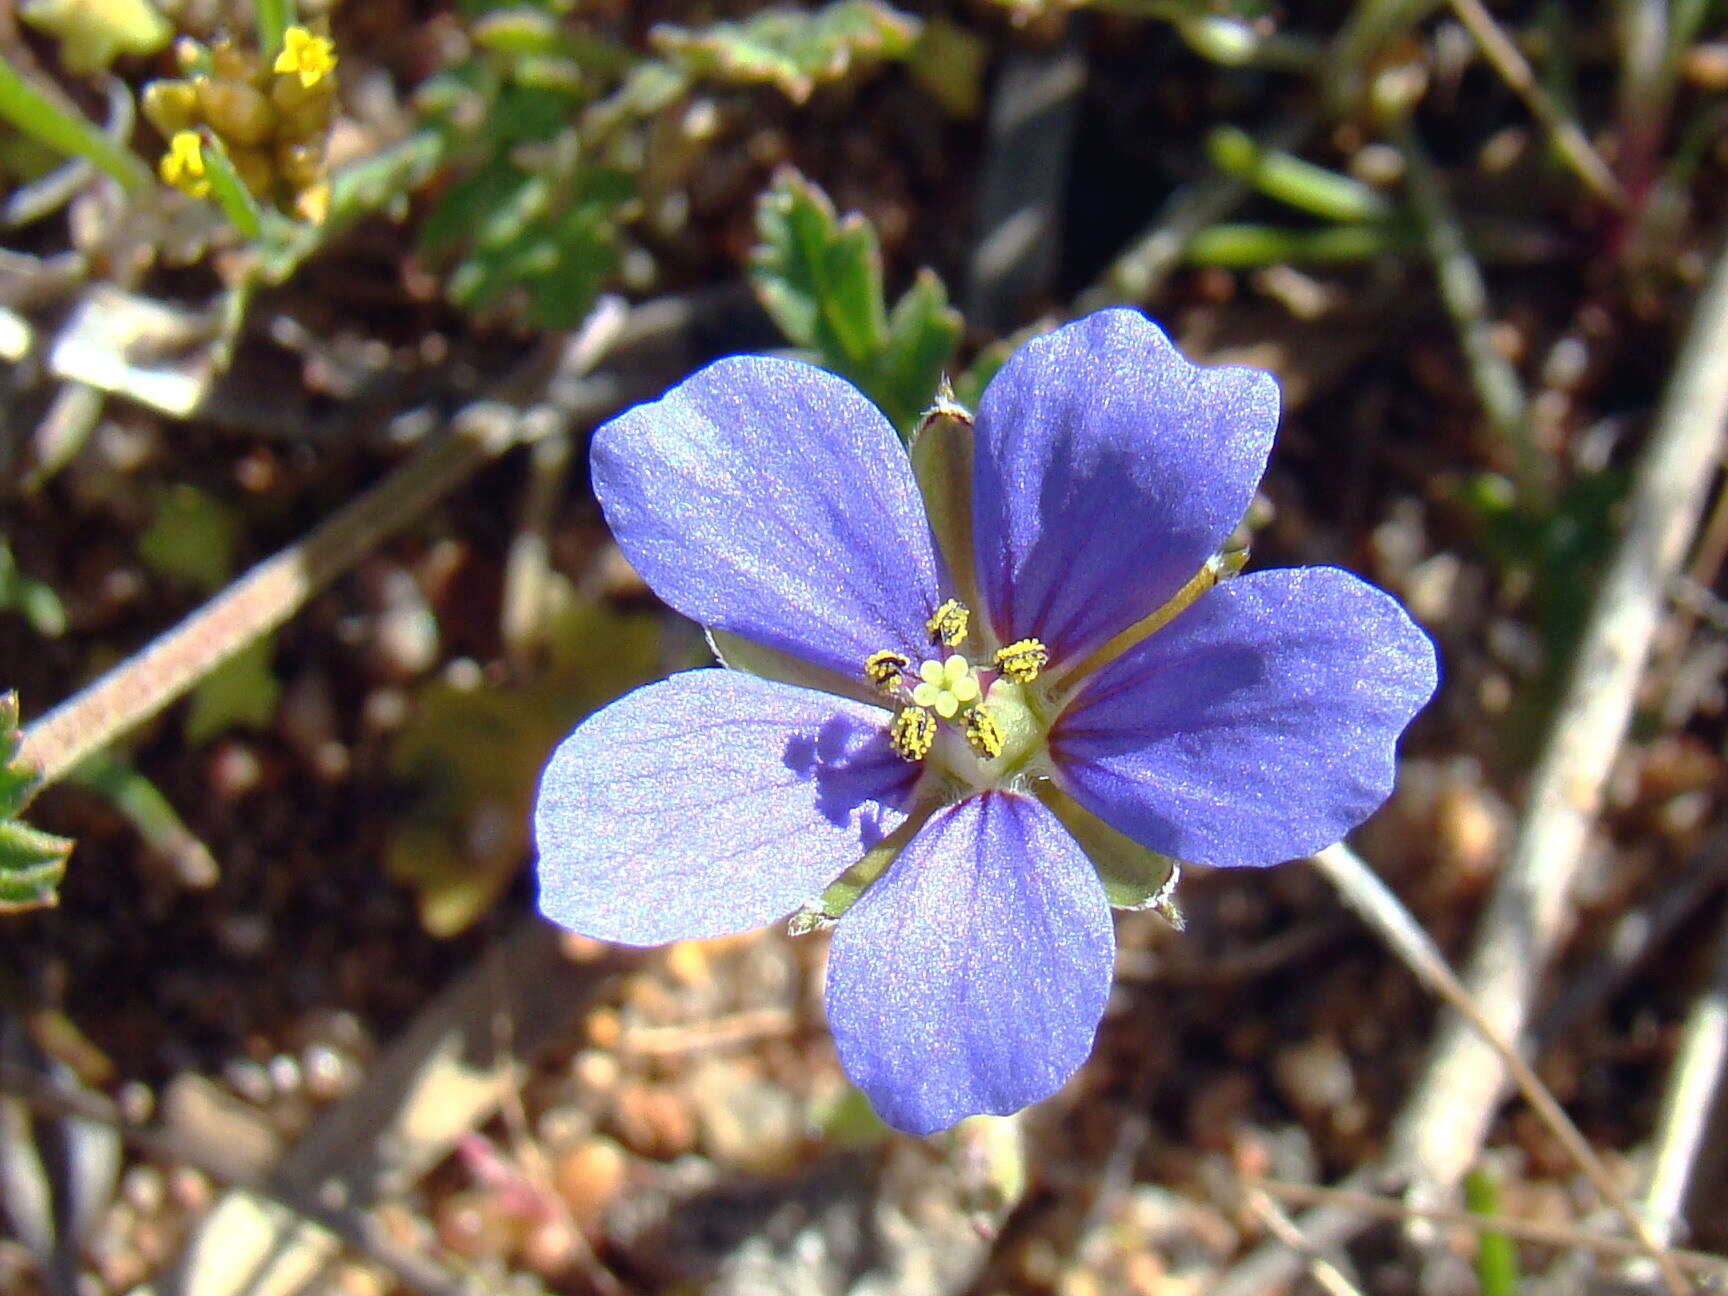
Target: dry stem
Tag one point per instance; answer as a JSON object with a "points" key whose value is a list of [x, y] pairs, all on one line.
{"points": [[1442, 1127]]}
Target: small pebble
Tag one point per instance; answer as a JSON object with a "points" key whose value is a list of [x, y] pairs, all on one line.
{"points": [[654, 1121], [473, 1226], [589, 1176]]}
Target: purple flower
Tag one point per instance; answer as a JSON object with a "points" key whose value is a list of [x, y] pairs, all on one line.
{"points": [[961, 708]]}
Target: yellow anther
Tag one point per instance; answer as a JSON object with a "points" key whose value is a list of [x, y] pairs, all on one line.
{"points": [[913, 733], [309, 57], [183, 164], [1022, 660], [947, 625], [947, 686], [883, 668], [983, 734]]}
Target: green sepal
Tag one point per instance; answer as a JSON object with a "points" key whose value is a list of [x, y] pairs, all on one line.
{"points": [[737, 653], [842, 893], [941, 451], [1134, 876]]}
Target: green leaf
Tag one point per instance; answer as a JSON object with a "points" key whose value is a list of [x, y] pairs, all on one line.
{"points": [[922, 334], [66, 132], [32, 862], [794, 50], [242, 693], [819, 276], [191, 539], [32, 599], [950, 61], [1496, 1255], [473, 754], [1282, 175], [556, 241]]}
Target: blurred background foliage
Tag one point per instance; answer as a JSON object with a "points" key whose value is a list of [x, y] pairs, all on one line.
{"points": [[264, 264]]}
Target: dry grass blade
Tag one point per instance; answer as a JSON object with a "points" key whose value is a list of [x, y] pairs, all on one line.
{"points": [[262, 599], [1368, 896], [1446, 1119], [1686, 1104], [1564, 133], [1553, 1235], [1466, 297], [1325, 1274]]}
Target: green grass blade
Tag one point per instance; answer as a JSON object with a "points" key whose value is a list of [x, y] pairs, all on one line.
{"points": [[49, 124]]}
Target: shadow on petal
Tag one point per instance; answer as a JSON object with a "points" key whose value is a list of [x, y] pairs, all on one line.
{"points": [[854, 770]]}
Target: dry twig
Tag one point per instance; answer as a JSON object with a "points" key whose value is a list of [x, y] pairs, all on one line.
{"points": [[1368, 896], [413, 1269], [1443, 1125], [1687, 1102], [1554, 1235], [1466, 297], [1326, 1274], [264, 598], [1563, 132]]}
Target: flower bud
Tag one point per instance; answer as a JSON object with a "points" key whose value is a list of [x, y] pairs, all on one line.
{"points": [[236, 111], [254, 169], [300, 165], [170, 106], [230, 62]]}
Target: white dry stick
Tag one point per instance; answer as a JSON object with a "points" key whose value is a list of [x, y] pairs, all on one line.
{"points": [[1686, 1105], [264, 597], [1364, 892], [1442, 1127]]}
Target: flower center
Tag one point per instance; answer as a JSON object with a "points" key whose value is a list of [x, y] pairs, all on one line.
{"points": [[948, 698], [946, 686]]}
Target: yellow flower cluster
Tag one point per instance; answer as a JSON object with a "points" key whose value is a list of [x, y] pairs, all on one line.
{"points": [[272, 119]]}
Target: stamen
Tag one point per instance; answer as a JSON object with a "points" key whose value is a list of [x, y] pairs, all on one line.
{"points": [[183, 164], [947, 625], [913, 733], [983, 734], [883, 668], [1022, 660]]}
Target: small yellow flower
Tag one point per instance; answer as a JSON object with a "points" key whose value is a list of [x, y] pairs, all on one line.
{"points": [[183, 164], [311, 58]]}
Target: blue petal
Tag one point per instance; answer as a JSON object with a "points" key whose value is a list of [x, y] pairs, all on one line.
{"points": [[771, 499], [970, 978], [1108, 470], [710, 803], [1258, 726]]}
